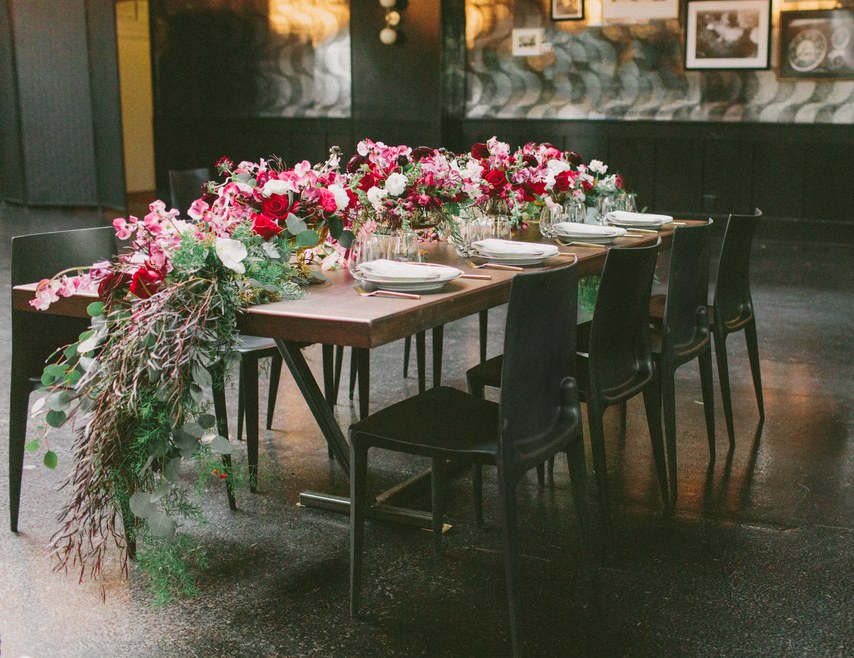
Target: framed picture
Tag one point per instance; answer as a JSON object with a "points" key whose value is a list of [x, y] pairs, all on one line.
{"points": [[728, 34], [567, 10], [639, 9], [527, 41], [817, 44]]}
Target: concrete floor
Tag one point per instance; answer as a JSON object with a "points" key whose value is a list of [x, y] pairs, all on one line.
{"points": [[758, 559]]}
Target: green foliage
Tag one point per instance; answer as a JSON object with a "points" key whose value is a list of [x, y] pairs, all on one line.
{"points": [[169, 566]]}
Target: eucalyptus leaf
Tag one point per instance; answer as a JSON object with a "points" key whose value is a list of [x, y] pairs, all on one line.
{"points": [[89, 344], [73, 377], [38, 405], [147, 465], [336, 225], [162, 490], [347, 238], [221, 446], [193, 429], [55, 418], [87, 363], [161, 525], [87, 403], [308, 238], [32, 446], [295, 225], [207, 421], [197, 393], [70, 351], [58, 400], [173, 467], [202, 376], [50, 459], [141, 505], [95, 308]]}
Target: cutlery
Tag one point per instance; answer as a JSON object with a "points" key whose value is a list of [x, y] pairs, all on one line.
{"points": [[580, 244], [639, 230], [385, 293], [495, 266], [475, 276]]}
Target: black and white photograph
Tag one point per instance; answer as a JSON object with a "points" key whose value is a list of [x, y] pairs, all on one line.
{"points": [[723, 34], [567, 10], [817, 44]]}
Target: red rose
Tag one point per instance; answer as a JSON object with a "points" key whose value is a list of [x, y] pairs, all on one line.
{"points": [[354, 198], [265, 226], [530, 191], [619, 183], [587, 186], [277, 206], [480, 151], [367, 181], [112, 282], [145, 282], [496, 178]]}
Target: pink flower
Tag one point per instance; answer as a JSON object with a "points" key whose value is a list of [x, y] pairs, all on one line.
{"points": [[124, 229], [197, 209], [327, 200], [45, 295]]}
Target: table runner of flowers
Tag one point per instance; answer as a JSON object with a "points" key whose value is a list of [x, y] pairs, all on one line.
{"points": [[164, 327]]}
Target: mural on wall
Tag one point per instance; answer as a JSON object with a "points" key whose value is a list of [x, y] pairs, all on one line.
{"points": [[254, 58], [632, 71]]}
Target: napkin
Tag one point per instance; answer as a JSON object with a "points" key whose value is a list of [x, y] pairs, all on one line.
{"points": [[637, 218], [496, 247], [575, 229], [392, 269]]}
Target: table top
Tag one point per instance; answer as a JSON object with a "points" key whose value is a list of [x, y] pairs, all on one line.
{"points": [[333, 313]]}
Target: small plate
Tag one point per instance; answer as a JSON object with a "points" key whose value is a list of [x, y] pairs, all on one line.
{"points": [[502, 260], [637, 220]]}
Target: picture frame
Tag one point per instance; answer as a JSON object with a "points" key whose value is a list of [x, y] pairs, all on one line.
{"points": [[817, 44], [616, 10], [526, 41], [567, 10], [728, 35]]}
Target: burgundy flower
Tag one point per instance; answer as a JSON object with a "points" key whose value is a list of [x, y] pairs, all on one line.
{"points": [[529, 160], [573, 158], [145, 282], [265, 226], [530, 191], [224, 164], [421, 152], [112, 282], [563, 181], [619, 183], [355, 162], [480, 151]]}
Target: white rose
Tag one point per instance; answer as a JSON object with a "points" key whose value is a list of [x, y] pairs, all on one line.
{"points": [[376, 196], [341, 197], [395, 184], [275, 186], [557, 166], [231, 253]]}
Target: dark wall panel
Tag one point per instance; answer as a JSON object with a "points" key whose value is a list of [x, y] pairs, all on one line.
{"points": [[55, 101], [727, 174], [11, 166], [778, 182]]}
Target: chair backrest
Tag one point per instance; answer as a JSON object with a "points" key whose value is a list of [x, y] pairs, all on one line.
{"points": [[619, 346], [539, 358], [41, 255], [732, 287], [186, 185], [688, 286], [34, 257]]}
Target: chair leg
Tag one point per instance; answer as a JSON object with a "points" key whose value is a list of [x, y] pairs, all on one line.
{"points": [[18, 408], [475, 386], [753, 355], [330, 380], [723, 376], [541, 474], [437, 494], [477, 492], [578, 480], [668, 400], [407, 351], [249, 385], [597, 448], [241, 400], [438, 344], [363, 356], [339, 359], [221, 413], [273, 390], [483, 318], [623, 412], [510, 540], [652, 404], [421, 360], [358, 506], [705, 362]]}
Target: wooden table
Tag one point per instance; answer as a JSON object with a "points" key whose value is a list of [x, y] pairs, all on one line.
{"points": [[333, 313]]}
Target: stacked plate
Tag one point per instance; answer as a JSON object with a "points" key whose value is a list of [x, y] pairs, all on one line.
{"points": [[587, 232], [637, 219], [406, 277], [509, 252]]}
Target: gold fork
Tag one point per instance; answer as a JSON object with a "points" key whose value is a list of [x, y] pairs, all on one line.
{"points": [[385, 293], [575, 243], [495, 266]]}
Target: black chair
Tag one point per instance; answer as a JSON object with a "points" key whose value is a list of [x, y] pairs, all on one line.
{"points": [[538, 416], [614, 357], [185, 186], [732, 309], [36, 336], [683, 333]]}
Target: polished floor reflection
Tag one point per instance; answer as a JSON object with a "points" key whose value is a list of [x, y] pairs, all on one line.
{"points": [[757, 560]]}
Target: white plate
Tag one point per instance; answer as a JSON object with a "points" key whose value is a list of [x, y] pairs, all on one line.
{"points": [[435, 277], [637, 219], [502, 260], [514, 251], [587, 232]]}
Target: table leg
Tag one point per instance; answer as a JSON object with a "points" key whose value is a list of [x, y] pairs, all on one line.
{"points": [[316, 401], [438, 343], [363, 356]]}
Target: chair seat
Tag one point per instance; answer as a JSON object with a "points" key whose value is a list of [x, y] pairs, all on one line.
{"points": [[442, 420]]}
